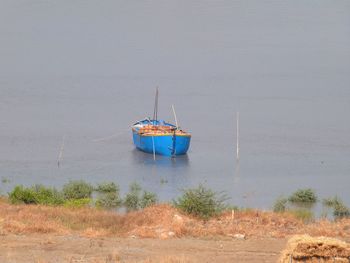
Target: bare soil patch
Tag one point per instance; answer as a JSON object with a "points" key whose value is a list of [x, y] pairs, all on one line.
{"points": [[49, 248]]}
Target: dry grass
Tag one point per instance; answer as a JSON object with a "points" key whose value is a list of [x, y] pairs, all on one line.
{"points": [[305, 248], [161, 221]]}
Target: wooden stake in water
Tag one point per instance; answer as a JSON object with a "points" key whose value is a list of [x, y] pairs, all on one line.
{"points": [[237, 124], [177, 125], [60, 155]]}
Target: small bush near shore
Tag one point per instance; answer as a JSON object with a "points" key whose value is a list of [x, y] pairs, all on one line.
{"points": [[201, 202], [21, 194], [340, 210], [333, 202], [79, 194], [37, 194], [108, 196], [134, 200], [298, 203], [77, 190], [303, 196], [109, 200], [280, 205], [107, 188], [48, 196], [148, 199]]}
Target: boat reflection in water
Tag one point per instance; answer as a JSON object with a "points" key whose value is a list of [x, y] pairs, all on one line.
{"points": [[161, 161]]}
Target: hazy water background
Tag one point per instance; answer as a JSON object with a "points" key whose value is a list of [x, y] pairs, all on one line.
{"points": [[88, 70]]}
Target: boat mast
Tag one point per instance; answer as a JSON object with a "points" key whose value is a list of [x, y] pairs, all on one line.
{"points": [[177, 125], [155, 111]]}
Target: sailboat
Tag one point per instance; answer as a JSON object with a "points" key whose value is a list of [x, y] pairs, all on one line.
{"points": [[160, 137]]}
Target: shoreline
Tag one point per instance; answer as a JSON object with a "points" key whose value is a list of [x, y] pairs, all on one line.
{"points": [[159, 233], [160, 221]]}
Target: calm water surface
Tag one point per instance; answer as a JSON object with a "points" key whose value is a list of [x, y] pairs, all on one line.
{"points": [[88, 70]]}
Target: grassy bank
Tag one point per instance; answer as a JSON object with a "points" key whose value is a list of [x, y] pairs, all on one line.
{"points": [[158, 221], [83, 194], [92, 211], [200, 201]]}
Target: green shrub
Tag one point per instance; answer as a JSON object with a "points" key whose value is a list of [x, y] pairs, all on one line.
{"points": [[332, 201], [109, 200], [340, 210], [37, 194], [148, 199], [21, 194], [280, 205], [132, 198], [201, 202], [108, 196], [77, 203], [47, 196], [107, 188], [303, 196], [77, 190]]}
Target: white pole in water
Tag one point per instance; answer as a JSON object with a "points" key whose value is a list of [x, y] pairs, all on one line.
{"points": [[177, 125], [237, 119], [154, 149], [60, 155]]}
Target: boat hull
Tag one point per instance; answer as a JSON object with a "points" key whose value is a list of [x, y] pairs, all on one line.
{"points": [[168, 145]]}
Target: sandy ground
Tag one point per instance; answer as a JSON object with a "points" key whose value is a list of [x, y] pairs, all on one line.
{"points": [[40, 248]]}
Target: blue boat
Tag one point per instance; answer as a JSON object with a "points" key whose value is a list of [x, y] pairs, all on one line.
{"points": [[160, 137]]}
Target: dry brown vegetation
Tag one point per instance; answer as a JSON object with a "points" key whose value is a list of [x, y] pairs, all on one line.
{"points": [[304, 248], [160, 221]]}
